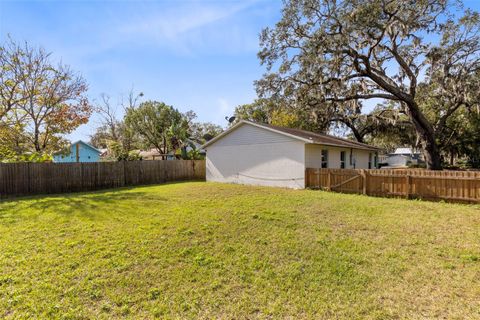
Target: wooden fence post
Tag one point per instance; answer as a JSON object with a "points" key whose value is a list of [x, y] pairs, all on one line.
{"points": [[124, 174], [408, 183], [365, 181], [329, 180], [317, 174]]}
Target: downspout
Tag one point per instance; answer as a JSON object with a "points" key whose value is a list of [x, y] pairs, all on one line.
{"points": [[351, 158]]}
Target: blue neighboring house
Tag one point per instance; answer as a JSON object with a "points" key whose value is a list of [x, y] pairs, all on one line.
{"points": [[79, 152]]}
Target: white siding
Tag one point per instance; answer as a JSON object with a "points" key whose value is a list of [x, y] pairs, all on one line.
{"points": [[247, 134], [313, 157], [252, 155], [361, 158]]}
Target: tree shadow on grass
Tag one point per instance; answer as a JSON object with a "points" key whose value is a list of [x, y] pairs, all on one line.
{"points": [[87, 204]]}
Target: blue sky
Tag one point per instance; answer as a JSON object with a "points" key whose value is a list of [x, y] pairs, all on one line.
{"points": [[192, 54]]}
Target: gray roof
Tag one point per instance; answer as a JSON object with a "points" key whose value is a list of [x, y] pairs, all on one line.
{"points": [[305, 136]]}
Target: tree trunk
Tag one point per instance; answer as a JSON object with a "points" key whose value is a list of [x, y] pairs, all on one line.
{"points": [[356, 133], [432, 153], [427, 137], [164, 149], [36, 140], [358, 136]]}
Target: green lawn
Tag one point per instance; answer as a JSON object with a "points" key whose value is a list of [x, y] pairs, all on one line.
{"points": [[205, 250]]}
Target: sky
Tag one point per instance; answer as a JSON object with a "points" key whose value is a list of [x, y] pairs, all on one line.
{"points": [[198, 55], [192, 54]]}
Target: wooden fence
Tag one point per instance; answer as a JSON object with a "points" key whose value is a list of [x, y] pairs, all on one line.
{"points": [[454, 186], [20, 179]]}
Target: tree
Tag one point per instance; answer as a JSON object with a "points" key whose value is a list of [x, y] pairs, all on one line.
{"points": [[56, 103], [113, 133], [278, 112], [202, 132], [177, 134], [327, 53], [41, 100], [154, 122], [108, 115], [258, 111], [11, 78], [470, 138]]}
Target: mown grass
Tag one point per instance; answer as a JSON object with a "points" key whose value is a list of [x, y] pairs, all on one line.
{"points": [[206, 250]]}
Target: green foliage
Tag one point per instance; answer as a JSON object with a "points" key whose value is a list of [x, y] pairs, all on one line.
{"points": [[210, 251], [193, 154], [119, 153], [43, 99], [27, 157], [159, 125], [277, 113], [327, 57], [257, 111], [40, 101], [151, 124], [129, 156], [202, 132]]}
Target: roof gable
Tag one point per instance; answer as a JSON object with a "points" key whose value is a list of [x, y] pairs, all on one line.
{"points": [[302, 135], [86, 144]]}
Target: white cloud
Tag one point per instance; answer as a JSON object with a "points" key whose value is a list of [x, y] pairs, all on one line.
{"points": [[172, 24], [188, 28], [185, 28], [225, 109]]}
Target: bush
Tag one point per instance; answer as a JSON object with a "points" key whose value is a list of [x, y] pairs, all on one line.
{"points": [[130, 156]]}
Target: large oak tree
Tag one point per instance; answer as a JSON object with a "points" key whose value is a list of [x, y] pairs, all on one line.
{"points": [[333, 54]]}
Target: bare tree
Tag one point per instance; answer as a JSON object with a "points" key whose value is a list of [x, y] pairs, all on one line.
{"points": [[49, 99], [12, 77], [108, 114]]}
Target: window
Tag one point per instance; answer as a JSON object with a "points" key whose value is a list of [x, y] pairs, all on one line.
{"points": [[375, 161], [369, 161], [342, 159], [324, 158]]}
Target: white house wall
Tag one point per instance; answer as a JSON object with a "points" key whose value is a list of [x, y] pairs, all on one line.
{"points": [[256, 156], [313, 157]]}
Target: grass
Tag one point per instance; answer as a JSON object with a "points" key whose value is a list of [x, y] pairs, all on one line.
{"points": [[206, 250]]}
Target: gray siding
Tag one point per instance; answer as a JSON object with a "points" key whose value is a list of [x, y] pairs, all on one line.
{"points": [[248, 134], [256, 156]]}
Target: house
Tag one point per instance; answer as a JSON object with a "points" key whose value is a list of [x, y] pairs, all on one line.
{"points": [[78, 152], [261, 154], [403, 157]]}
